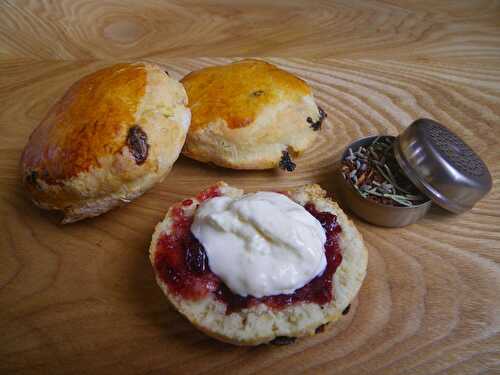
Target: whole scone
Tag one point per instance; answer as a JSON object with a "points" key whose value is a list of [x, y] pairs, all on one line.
{"points": [[261, 322], [250, 115], [112, 136]]}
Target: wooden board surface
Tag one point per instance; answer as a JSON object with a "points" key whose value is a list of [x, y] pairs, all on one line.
{"points": [[82, 299]]}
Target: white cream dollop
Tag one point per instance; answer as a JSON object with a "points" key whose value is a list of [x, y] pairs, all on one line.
{"points": [[260, 244]]}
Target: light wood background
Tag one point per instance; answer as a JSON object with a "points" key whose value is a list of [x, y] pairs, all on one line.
{"points": [[81, 298]]}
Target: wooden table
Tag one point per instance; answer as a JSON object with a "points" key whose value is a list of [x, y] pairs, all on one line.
{"points": [[81, 298]]}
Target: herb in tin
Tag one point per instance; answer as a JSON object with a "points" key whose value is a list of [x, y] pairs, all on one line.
{"points": [[376, 175]]}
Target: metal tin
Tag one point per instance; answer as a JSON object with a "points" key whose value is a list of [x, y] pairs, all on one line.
{"points": [[373, 212], [442, 166]]}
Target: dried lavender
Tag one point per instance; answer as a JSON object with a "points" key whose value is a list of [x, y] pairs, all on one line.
{"points": [[376, 175]]}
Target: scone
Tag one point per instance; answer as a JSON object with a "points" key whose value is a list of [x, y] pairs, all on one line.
{"points": [[250, 115], [245, 269], [112, 136]]}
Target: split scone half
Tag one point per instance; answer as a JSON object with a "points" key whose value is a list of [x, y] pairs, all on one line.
{"points": [[250, 114], [188, 280], [112, 136]]}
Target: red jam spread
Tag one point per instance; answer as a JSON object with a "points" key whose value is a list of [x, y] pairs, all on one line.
{"points": [[181, 262]]}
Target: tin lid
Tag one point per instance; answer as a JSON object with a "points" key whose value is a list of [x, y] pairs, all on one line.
{"points": [[442, 166]]}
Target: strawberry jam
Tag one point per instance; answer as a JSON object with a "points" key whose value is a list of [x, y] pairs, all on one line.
{"points": [[209, 193], [181, 262]]}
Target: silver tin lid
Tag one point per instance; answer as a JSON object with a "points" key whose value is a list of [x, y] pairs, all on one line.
{"points": [[442, 166]]}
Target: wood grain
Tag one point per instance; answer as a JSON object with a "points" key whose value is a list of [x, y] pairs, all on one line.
{"points": [[130, 29], [82, 299]]}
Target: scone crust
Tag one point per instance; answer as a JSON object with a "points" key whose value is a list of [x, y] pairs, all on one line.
{"points": [[260, 324], [245, 114], [78, 159]]}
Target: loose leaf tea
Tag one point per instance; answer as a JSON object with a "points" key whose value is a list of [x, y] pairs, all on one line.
{"points": [[376, 175]]}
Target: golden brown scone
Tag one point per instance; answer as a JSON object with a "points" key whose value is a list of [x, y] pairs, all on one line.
{"points": [[245, 115], [260, 323], [112, 136]]}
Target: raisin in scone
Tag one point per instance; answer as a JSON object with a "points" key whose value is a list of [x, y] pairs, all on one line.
{"points": [[250, 114], [228, 263], [112, 136]]}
